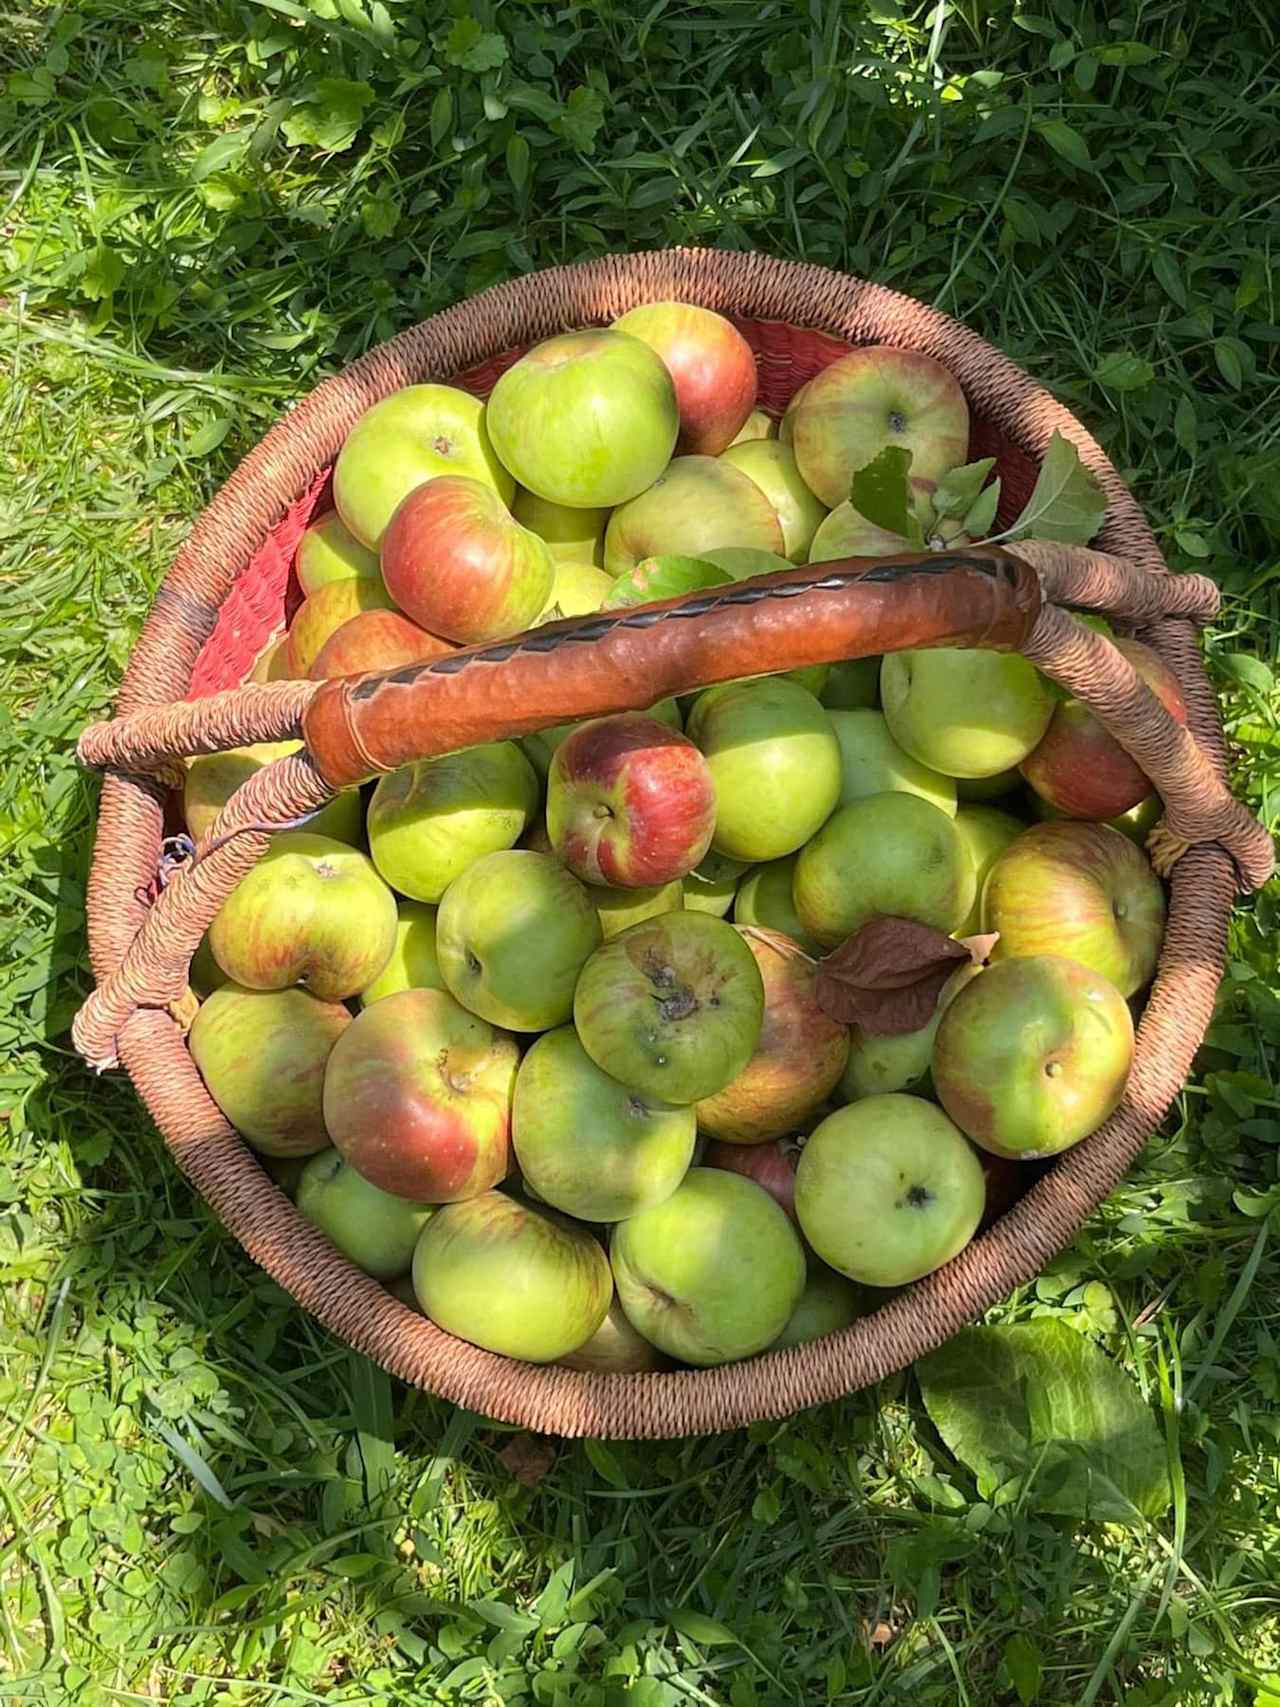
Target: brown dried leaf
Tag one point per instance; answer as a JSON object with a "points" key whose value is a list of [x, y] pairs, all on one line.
{"points": [[887, 976], [528, 1457]]}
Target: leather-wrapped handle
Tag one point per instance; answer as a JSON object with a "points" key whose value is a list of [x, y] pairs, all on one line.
{"points": [[362, 726]]}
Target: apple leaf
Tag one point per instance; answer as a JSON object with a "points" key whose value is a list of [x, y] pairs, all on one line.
{"points": [[882, 493], [664, 578], [1039, 1413], [956, 491], [981, 514], [1066, 504], [887, 976]]}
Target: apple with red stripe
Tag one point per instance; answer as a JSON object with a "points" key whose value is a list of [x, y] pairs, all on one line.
{"points": [[630, 802], [710, 363]]}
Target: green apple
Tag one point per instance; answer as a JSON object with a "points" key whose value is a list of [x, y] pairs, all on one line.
{"points": [[828, 1303], [374, 1229], [711, 886], [212, 778], [965, 713], [428, 822], [1033, 1056], [758, 425], [329, 551], [696, 505], [986, 832], [872, 762], [1137, 823], [313, 912], [205, 975], [989, 787], [775, 763], [888, 1189], [773, 468], [587, 1144], [322, 613], [888, 854], [619, 909], [851, 685], [513, 933], [877, 1065], [615, 1349], [575, 535], [577, 590], [713, 1273], [413, 964], [766, 899]]}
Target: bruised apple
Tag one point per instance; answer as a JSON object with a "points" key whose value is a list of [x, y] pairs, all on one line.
{"points": [[711, 366], [375, 640]]}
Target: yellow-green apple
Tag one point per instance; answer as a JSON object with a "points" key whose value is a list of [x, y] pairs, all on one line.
{"points": [[577, 590], [773, 468], [587, 419], [428, 822], [513, 932], [273, 663], [1033, 1056], [375, 640], [587, 1144], [989, 787], [962, 712], [877, 1065], [672, 1007], [697, 504], [872, 762], [852, 685], [262, 1056], [888, 1189], [615, 1349], [419, 1099], [573, 535], [1079, 768], [212, 778], [771, 1165], [205, 975], [1137, 823], [329, 551], [874, 397], [828, 1303], [711, 886], [710, 363], [539, 747], [1079, 890], [766, 899], [986, 832], [414, 964], [887, 854], [374, 1229], [512, 1279], [630, 802], [324, 612], [846, 532], [619, 909], [798, 1058], [413, 436], [713, 1273], [775, 763], [313, 911], [758, 425]]}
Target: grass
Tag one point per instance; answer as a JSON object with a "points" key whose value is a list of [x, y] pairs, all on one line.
{"points": [[209, 206]]}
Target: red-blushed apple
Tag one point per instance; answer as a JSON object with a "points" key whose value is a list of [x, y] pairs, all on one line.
{"points": [[262, 1055], [329, 551], [619, 909], [713, 1273], [375, 640], [877, 1065], [986, 832], [455, 559], [711, 366], [852, 685], [888, 1189], [1079, 890], [212, 778], [588, 1145], [846, 532], [630, 802], [512, 1279], [414, 964], [765, 898], [324, 612], [539, 747], [672, 1007], [419, 1100], [413, 436], [874, 397], [759, 424], [771, 1165], [573, 535], [577, 590], [697, 504], [314, 912], [586, 420], [615, 1349], [375, 1230], [828, 1303], [872, 762], [773, 468], [965, 712], [798, 1058], [1033, 1056], [713, 883], [1081, 770]]}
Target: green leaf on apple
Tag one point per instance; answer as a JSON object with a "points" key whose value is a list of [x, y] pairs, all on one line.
{"points": [[957, 491], [881, 491], [1067, 503], [1039, 1406], [664, 578]]}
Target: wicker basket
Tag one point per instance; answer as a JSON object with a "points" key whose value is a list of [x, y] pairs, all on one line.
{"points": [[228, 594]]}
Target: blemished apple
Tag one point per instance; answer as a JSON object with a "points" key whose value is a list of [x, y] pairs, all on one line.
{"points": [[588, 1145], [828, 1303], [415, 435], [672, 1007], [711, 366], [262, 1055], [711, 1274], [428, 822], [419, 1099], [798, 1058], [573, 535], [697, 504], [586, 420], [772, 466], [512, 934], [771, 1165], [1079, 890], [712, 884], [615, 1349], [874, 397], [986, 832], [371, 1227], [375, 640], [324, 612], [1033, 1056], [511, 1279], [965, 712], [877, 1065], [313, 911], [619, 909], [888, 1189], [775, 763], [759, 424], [212, 778], [630, 802], [872, 762], [1081, 770], [765, 898], [577, 590], [887, 854], [851, 685], [539, 747], [329, 551], [414, 964]]}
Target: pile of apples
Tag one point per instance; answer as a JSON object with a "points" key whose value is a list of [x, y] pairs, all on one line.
{"points": [[550, 1020]]}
